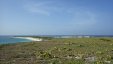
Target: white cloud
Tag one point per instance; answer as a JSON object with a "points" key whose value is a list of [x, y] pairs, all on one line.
{"points": [[84, 18], [45, 8], [80, 16], [36, 8]]}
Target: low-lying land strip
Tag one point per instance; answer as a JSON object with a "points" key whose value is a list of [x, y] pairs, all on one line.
{"points": [[30, 38]]}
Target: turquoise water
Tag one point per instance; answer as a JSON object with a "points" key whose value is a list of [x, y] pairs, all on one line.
{"points": [[6, 40]]}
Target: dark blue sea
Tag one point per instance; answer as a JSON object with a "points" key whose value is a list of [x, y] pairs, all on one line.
{"points": [[7, 39]]}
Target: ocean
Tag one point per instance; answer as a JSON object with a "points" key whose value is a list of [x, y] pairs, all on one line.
{"points": [[8, 39]]}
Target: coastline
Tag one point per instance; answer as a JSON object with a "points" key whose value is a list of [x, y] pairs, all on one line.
{"points": [[30, 38]]}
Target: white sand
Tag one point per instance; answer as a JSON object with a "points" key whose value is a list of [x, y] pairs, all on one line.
{"points": [[30, 38]]}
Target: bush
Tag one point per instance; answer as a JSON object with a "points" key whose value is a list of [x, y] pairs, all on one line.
{"points": [[103, 39], [44, 55]]}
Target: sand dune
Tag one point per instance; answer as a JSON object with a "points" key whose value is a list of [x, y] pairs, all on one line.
{"points": [[31, 38]]}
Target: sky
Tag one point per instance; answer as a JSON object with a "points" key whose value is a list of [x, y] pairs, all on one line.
{"points": [[56, 17]]}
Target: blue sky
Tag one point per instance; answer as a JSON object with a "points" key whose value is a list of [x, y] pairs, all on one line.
{"points": [[56, 17]]}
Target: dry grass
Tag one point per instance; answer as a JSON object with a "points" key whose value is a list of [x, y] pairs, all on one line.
{"points": [[59, 51]]}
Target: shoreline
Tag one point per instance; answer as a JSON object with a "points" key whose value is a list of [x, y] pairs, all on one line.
{"points": [[30, 38]]}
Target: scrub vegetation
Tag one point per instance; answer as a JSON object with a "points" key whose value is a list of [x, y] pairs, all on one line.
{"points": [[59, 51]]}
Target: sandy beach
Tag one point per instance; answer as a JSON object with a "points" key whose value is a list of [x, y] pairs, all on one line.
{"points": [[31, 38]]}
